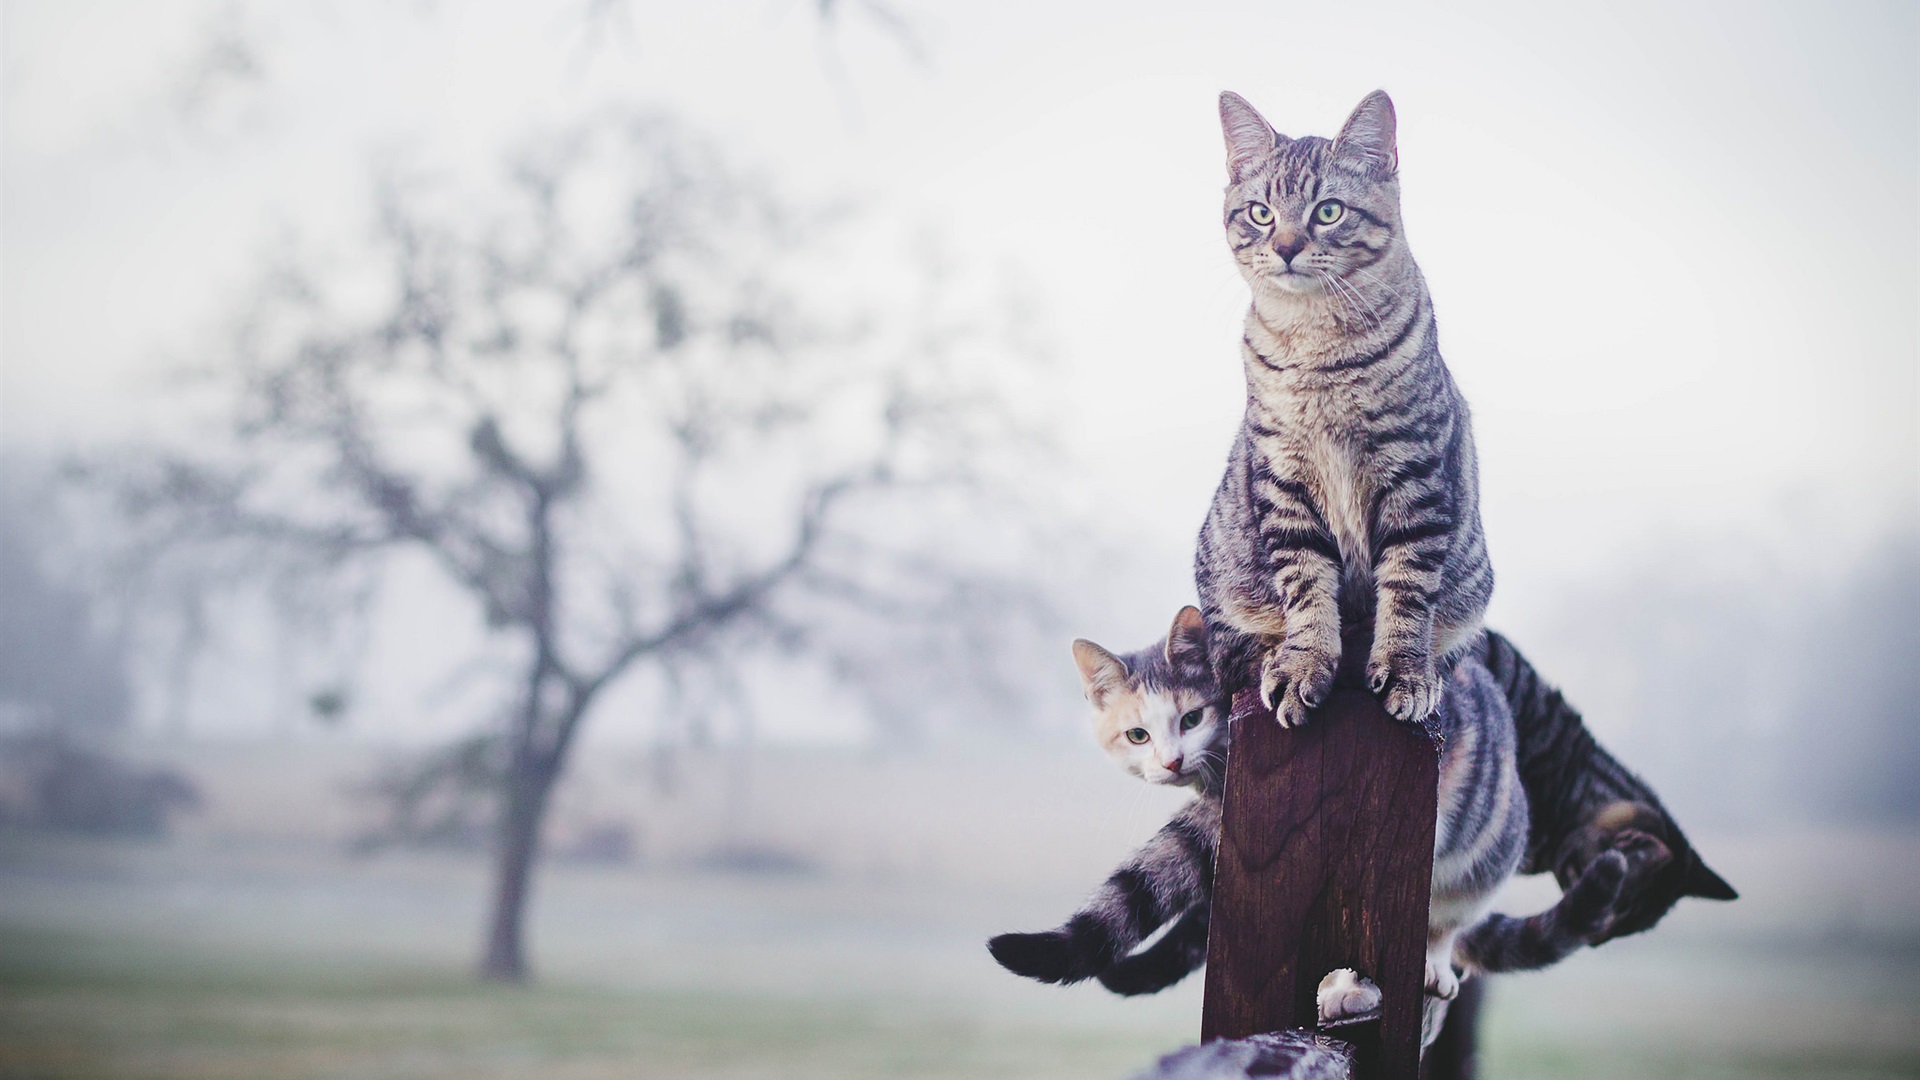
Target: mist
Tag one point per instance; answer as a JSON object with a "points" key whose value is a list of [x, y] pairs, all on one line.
{"points": [[860, 356]]}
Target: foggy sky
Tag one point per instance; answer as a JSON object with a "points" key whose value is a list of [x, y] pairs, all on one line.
{"points": [[1675, 250]]}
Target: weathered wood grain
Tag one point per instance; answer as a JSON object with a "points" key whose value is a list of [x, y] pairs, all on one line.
{"points": [[1325, 861]]}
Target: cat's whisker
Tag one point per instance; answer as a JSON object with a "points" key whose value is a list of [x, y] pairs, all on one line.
{"points": [[1348, 298], [1373, 313], [1337, 290], [1330, 290]]}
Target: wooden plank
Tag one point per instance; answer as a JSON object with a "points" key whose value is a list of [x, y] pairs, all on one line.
{"points": [[1325, 861]]}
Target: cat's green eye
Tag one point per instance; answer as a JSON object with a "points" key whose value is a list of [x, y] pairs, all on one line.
{"points": [[1190, 721], [1329, 211], [1137, 735], [1259, 214]]}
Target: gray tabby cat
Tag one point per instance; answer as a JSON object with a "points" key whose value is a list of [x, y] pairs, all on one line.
{"points": [[1351, 491]]}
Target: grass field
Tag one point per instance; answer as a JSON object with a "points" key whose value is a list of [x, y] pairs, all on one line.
{"points": [[78, 1007], [82, 1007], [230, 955]]}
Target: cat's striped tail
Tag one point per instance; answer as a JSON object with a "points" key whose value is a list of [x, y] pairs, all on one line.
{"points": [[1168, 875]]}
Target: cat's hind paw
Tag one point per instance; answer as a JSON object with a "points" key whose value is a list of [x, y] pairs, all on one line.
{"points": [[1346, 995], [1407, 685]]}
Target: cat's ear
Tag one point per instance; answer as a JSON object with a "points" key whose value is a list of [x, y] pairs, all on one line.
{"points": [[1704, 883], [1101, 672], [1368, 138], [1187, 638], [1250, 139]]}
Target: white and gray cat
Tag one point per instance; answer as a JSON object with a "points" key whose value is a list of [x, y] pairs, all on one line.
{"points": [[1157, 712], [1351, 493]]}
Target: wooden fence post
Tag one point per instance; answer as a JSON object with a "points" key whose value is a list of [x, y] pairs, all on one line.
{"points": [[1325, 861]]}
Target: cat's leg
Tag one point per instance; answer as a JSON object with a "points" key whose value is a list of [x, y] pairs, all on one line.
{"points": [[1505, 943], [1304, 563], [1297, 673], [1178, 953], [1410, 562], [1169, 874]]}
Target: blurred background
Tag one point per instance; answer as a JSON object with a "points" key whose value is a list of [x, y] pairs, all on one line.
{"points": [[540, 540]]}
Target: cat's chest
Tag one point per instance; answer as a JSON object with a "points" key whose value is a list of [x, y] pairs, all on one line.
{"points": [[1317, 442]]}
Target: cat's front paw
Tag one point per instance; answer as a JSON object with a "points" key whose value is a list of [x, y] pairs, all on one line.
{"points": [[1346, 995], [1441, 981], [1606, 887], [1295, 680], [1406, 682]]}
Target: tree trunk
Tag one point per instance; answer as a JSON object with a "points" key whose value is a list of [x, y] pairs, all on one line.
{"points": [[529, 783]]}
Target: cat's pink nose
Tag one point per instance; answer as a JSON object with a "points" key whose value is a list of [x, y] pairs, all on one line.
{"points": [[1174, 765], [1288, 243]]}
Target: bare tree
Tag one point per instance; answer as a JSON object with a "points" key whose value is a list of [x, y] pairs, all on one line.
{"points": [[633, 415], [60, 676]]}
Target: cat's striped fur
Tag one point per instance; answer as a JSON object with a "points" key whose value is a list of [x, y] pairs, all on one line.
{"points": [[1351, 492]]}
